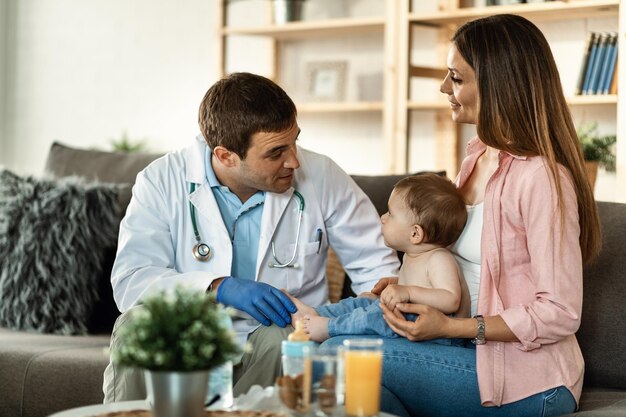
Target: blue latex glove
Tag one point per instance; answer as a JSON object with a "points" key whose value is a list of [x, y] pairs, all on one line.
{"points": [[262, 301]]}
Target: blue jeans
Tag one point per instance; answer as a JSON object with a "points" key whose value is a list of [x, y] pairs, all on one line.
{"points": [[427, 379], [363, 316]]}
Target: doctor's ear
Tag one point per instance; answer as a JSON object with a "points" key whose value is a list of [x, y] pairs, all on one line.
{"points": [[226, 157], [417, 234]]}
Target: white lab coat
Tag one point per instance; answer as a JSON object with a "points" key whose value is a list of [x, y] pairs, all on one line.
{"points": [[156, 235]]}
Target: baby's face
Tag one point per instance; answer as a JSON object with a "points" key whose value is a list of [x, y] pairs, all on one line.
{"points": [[397, 222]]}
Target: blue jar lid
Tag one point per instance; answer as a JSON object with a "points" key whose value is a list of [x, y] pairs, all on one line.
{"points": [[297, 348]]}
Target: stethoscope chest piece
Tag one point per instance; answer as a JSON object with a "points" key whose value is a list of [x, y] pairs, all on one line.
{"points": [[202, 252]]}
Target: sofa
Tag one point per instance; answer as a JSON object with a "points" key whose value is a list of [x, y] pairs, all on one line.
{"points": [[44, 373]]}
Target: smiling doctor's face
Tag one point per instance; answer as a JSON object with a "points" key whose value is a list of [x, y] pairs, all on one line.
{"points": [[270, 162], [461, 89]]}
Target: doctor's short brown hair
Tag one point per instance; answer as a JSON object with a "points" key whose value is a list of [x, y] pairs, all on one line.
{"points": [[240, 105], [437, 206]]}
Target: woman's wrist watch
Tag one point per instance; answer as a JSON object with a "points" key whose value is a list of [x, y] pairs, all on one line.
{"points": [[480, 337]]}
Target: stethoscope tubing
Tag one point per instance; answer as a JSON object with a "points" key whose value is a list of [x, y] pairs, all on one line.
{"points": [[290, 263], [202, 252]]}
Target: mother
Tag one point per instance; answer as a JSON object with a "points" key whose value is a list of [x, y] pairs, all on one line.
{"points": [[532, 224]]}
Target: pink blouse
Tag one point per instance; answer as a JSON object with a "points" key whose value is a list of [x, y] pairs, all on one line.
{"points": [[531, 275]]}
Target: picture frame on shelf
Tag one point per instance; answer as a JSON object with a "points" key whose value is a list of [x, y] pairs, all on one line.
{"points": [[326, 80]]}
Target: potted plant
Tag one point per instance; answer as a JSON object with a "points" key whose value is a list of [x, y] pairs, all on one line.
{"points": [[176, 337], [597, 150]]}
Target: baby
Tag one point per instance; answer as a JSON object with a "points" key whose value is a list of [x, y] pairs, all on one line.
{"points": [[425, 214]]}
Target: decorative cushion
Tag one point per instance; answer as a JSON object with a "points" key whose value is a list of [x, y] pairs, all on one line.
{"points": [[54, 235]]}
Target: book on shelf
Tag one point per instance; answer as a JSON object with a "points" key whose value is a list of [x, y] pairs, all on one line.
{"points": [[609, 70], [587, 56], [598, 63], [613, 89]]}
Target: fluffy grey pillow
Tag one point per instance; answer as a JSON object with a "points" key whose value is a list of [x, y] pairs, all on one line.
{"points": [[53, 238]]}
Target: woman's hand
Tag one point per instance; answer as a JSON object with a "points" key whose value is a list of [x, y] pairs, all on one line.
{"points": [[430, 323], [382, 284]]}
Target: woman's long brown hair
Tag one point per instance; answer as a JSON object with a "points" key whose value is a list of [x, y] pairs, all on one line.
{"points": [[522, 107]]}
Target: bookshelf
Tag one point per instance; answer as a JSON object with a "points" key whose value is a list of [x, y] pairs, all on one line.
{"points": [[397, 26]]}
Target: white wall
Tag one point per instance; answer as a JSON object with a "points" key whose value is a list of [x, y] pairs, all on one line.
{"points": [[84, 72], [4, 30]]}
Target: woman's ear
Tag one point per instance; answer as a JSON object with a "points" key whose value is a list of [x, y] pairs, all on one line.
{"points": [[225, 157], [417, 234]]}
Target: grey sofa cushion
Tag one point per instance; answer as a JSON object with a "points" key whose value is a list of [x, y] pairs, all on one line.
{"points": [[600, 398], [617, 409], [42, 374], [602, 335], [53, 238], [116, 167]]}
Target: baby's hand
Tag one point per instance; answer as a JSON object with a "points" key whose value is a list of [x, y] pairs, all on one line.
{"points": [[395, 294]]}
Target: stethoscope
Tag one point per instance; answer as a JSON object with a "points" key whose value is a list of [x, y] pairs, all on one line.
{"points": [[202, 252]]}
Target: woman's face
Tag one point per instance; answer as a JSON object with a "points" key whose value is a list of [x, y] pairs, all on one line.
{"points": [[460, 87]]}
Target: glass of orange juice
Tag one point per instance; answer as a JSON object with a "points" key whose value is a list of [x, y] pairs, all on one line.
{"points": [[363, 361]]}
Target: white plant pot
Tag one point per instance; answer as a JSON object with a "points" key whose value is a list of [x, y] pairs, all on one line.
{"points": [[175, 394]]}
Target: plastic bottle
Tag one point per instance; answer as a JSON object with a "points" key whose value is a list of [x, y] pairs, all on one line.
{"points": [[220, 393]]}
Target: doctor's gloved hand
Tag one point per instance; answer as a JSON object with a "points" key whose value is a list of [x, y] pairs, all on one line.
{"points": [[262, 301]]}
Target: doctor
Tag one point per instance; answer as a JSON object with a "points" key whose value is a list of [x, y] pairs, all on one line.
{"points": [[244, 212]]}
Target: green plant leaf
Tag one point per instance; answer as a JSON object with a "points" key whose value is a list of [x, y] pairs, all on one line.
{"points": [[125, 144]]}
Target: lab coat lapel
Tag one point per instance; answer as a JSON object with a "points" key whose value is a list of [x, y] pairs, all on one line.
{"points": [[203, 198], [206, 206], [274, 207]]}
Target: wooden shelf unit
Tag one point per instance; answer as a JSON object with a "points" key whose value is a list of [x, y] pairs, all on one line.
{"points": [[315, 29], [592, 99], [396, 29]]}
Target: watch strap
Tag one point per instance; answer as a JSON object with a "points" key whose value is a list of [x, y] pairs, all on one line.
{"points": [[480, 336]]}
